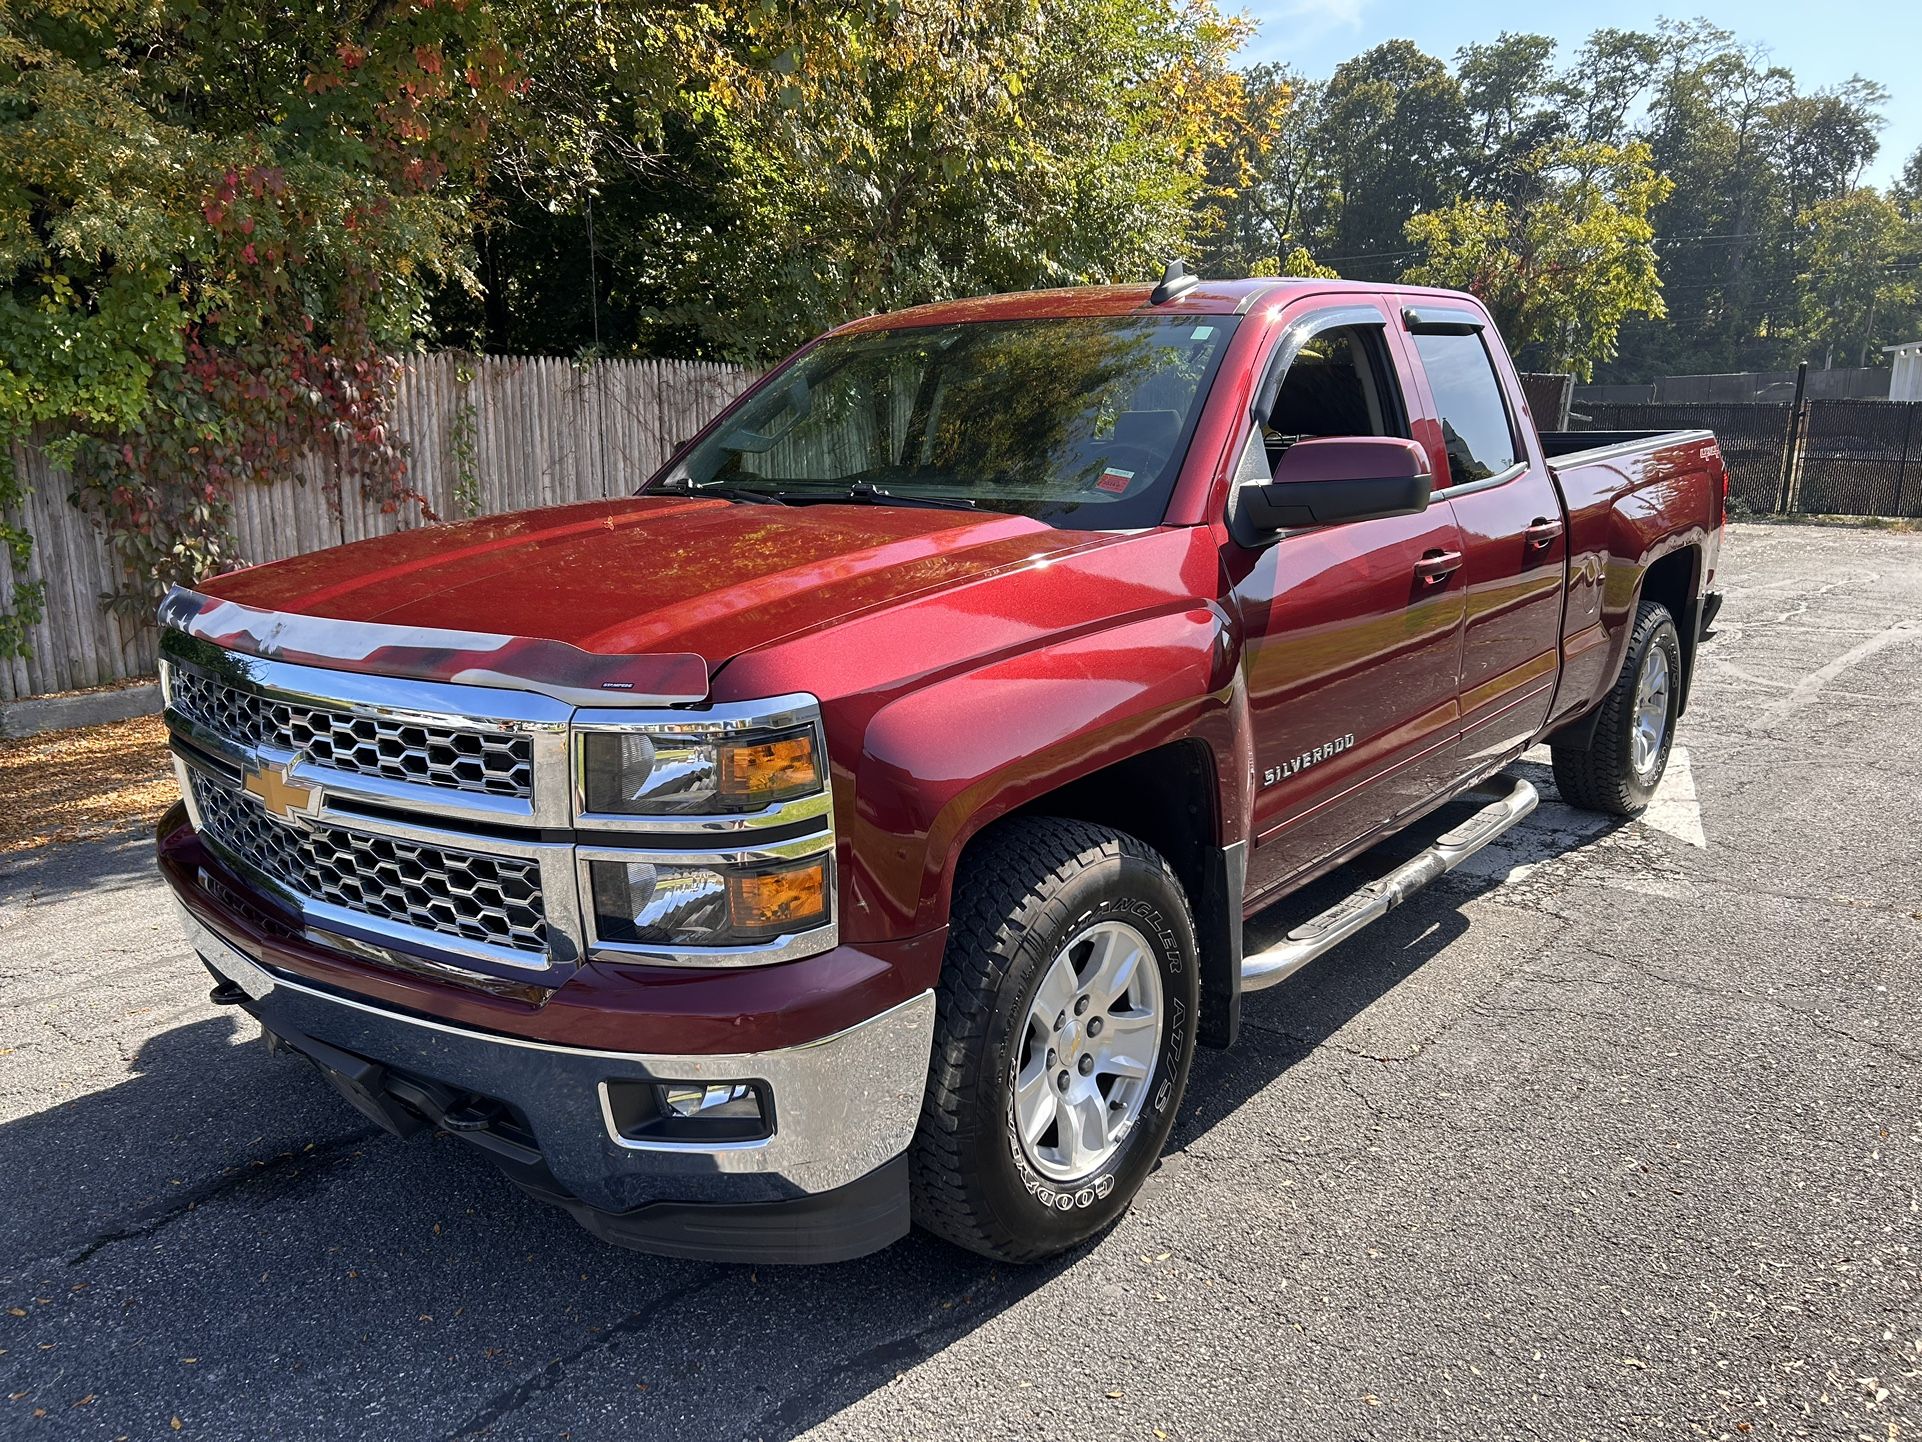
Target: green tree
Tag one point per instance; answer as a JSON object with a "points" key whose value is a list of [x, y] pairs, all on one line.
{"points": [[1601, 88], [1513, 108], [215, 224], [958, 150], [1248, 208], [1561, 273], [1907, 190], [1859, 278], [1389, 134], [223, 221]]}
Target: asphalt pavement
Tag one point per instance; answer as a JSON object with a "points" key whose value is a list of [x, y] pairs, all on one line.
{"points": [[1615, 1133]]}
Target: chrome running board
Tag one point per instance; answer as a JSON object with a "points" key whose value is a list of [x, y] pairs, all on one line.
{"points": [[1378, 898]]}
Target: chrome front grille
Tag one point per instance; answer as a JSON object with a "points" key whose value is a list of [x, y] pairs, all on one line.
{"points": [[437, 823], [491, 763], [492, 899]]}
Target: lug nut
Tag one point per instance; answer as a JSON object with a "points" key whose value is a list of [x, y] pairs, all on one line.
{"points": [[1080, 1005], [1086, 1064], [1094, 1027], [1061, 1021], [1062, 1081], [1050, 1056]]}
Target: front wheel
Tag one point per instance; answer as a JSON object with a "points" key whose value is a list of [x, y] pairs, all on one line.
{"points": [[1618, 771], [1064, 1032]]}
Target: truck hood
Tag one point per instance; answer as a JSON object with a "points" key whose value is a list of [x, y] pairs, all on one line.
{"points": [[650, 574]]}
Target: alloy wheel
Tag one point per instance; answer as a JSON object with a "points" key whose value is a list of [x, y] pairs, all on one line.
{"points": [[1088, 1051]]}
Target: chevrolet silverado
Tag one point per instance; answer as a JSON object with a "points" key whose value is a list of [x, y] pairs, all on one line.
{"points": [[855, 826]]}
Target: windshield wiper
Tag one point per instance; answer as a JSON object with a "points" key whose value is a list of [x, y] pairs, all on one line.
{"points": [[867, 493], [722, 490]]}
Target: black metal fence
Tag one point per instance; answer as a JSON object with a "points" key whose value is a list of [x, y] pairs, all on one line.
{"points": [[1860, 458], [1848, 458]]}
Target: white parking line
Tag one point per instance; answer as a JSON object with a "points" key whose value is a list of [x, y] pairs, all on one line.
{"points": [[1674, 810], [1556, 828]]}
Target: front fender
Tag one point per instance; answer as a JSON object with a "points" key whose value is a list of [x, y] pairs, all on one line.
{"points": [[941, 762]]}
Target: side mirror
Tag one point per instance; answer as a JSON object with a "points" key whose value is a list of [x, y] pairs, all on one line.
{"points": [[1329, 479]]}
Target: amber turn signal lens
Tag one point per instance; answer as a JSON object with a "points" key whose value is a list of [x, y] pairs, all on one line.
{"points": [[776, 901], [763, 770]]}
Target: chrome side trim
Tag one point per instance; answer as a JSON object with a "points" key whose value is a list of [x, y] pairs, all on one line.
{"points": [[1372, 902], [1486, 483]]}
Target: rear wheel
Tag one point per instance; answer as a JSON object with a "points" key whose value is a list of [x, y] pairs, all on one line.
{"points": [[1063, 1036], [1618, 771]]}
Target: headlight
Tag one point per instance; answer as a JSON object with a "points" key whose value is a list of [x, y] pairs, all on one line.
{"points": [[677, 773], [726, 827], [655, 903]]}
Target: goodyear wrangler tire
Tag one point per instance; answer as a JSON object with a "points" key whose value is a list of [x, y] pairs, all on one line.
{"points": [[1618, 771], [1064, 1031]]}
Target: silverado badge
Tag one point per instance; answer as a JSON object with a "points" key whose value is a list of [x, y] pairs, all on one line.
{"points": [[1307, 758]]}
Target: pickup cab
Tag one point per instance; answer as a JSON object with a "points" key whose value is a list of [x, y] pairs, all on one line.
{"points": [[855, 826]]}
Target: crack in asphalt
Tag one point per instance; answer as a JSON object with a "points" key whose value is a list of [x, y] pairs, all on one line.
{"points": [[1819, 1023], [233, 1180], [1308, 1045], [864, 1370], [553, 1372]]}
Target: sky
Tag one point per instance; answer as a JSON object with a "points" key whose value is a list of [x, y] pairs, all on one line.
{"points": [[1879, 41]]}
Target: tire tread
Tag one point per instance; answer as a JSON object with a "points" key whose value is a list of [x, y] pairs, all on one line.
{"points": [[1004, 883], [1595, 777]]}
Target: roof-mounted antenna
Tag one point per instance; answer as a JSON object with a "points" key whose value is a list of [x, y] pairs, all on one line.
{"points": [[1176, 280]]}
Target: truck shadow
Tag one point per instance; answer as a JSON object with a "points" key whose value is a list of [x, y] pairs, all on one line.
{"points": [[407, 1287]]}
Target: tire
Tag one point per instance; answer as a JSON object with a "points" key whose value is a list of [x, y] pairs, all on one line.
{"points": [[1604, 776], [1029, 894]]}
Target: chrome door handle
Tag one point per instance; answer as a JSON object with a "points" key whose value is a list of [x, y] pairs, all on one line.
{"points": [[1542, 532], [1437, 566]]}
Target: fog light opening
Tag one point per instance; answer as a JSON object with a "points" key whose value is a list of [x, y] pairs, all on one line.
{"points": [[693, 1113]]}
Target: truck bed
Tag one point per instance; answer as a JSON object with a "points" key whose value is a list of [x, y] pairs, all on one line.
{"points": [[1575, 447]]}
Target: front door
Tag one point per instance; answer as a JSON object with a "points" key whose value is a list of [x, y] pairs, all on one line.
{"points": [[1352, 632]]}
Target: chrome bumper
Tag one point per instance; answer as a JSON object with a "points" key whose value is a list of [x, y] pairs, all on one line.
{"points": [[843, 1105]]}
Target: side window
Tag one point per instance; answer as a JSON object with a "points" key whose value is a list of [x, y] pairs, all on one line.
{"points": [[1341, 383], [1474, 416]]}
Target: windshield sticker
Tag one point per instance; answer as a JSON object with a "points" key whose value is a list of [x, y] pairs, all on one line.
{"points": [[1201, 332], [1113, 478]]}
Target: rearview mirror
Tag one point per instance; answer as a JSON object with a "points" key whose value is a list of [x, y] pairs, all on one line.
{"points": [[1329, 479]]}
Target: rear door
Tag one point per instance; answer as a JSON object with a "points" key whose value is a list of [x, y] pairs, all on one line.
{"points": [[1352, 632], [1489, 469]]}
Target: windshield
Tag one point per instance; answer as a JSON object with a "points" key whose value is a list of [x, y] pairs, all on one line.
{"points": [[1081, 422]]}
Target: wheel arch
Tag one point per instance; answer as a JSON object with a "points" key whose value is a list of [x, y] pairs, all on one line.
{"points": [[1675, 580], [1142, 728]]}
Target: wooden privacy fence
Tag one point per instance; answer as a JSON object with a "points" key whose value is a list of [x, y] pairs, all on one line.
{"points": [[489, 434]]}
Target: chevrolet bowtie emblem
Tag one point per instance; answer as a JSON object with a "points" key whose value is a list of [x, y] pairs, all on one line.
{"points": [[281, 796]]}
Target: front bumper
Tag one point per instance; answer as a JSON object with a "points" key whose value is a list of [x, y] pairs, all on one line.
{"points": [[828, 1182]]}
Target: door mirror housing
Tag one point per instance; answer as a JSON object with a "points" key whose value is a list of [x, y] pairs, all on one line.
{"points": [[1326, 480]]}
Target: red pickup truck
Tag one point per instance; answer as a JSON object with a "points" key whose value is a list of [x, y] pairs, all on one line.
{"points": [[856, 826]]}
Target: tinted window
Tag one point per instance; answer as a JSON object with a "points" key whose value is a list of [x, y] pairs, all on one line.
{"points": [[1339, 384], [1474, 417], [1081, 422]]}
